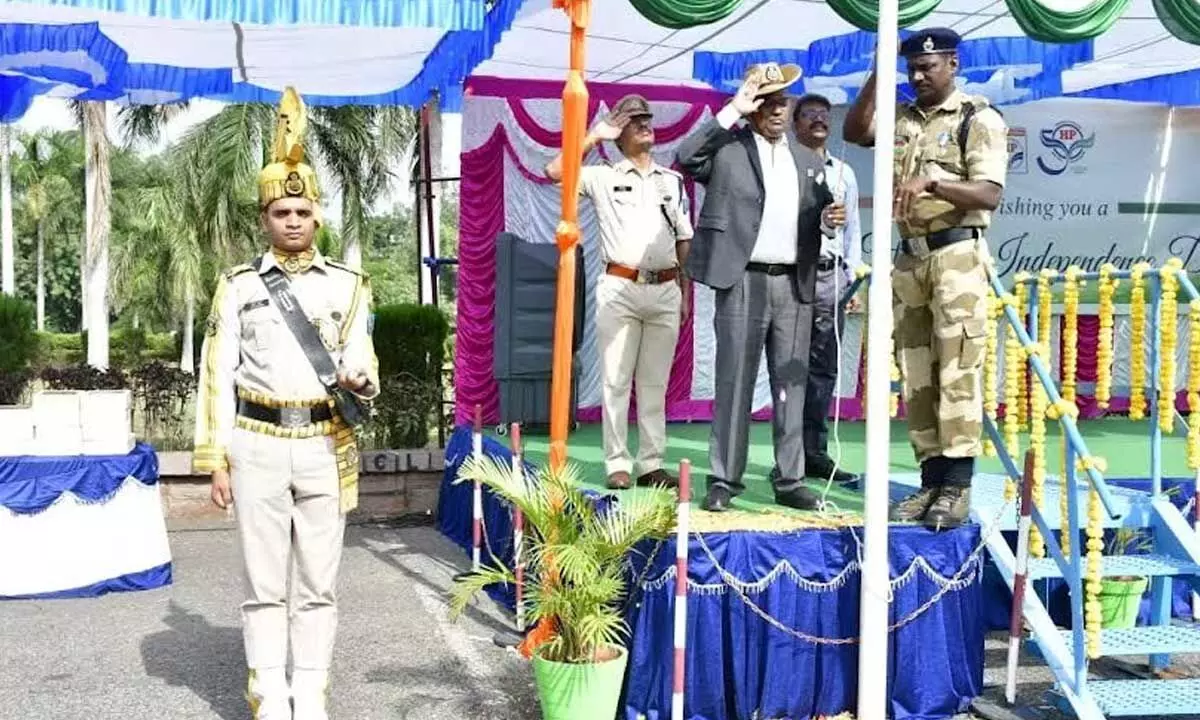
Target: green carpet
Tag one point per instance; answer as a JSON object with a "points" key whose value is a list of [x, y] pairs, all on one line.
{"points": [[1123, 444]]}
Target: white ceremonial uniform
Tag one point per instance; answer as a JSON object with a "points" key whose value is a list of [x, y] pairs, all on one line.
{"points": [[289, 501], [637, 322]]}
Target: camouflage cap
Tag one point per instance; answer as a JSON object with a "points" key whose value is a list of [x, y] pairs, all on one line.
{"points": [[633, 106]]}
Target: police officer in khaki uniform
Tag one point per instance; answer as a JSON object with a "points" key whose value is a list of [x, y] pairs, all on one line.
{"points": [[279, 448], [951, 162], [642, 297]]}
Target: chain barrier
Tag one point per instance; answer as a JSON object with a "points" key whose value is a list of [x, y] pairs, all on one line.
{"points": [[971, 563]]}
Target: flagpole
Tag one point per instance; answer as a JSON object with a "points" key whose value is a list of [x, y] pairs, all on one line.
{"points": [[875, 587]]}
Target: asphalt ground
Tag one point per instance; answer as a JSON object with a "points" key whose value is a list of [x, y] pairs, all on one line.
{"points": [[176, 653]]}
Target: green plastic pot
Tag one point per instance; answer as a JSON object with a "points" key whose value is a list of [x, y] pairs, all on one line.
{"points": [[570, 691], [1120, 601]]}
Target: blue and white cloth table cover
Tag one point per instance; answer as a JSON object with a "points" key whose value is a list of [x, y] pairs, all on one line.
{"points": [[81, 526]]}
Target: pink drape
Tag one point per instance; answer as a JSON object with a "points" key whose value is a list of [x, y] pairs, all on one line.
{"points": [[481, 219]]}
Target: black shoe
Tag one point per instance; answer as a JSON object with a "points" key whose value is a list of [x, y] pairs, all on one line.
{"points": [[822, 468], [950, 509], [914, 507], [717, 499], [658, 478], [799, 498]]}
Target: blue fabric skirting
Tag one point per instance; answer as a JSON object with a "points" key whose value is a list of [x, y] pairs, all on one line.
{"points": [[738, 664], [29, 484], [155, 577]]}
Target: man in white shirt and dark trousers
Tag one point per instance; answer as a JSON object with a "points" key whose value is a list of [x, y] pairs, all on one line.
{"points": [[757, 243], [841, 253]]}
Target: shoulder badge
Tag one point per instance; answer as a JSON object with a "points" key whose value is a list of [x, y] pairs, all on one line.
{"points": [[342, 266], [236, 270]]}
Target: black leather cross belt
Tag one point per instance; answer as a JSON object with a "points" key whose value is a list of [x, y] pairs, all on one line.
{"points": [[771, 268], [940, 239], [289, 417]]}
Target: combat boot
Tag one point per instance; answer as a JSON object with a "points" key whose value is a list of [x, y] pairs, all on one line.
{"points": [[951, 508], [914, 507], [268, 695], [310, 694]]}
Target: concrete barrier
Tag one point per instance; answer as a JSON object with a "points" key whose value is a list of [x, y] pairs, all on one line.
{"points": [[392, 485]]}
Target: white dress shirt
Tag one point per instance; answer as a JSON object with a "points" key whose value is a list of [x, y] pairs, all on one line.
{"points": [[778, 233], [844, 185]]}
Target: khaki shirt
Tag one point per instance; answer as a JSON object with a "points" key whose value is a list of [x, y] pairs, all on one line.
{"points": [[629, 206], [927, 146], [249, 349]]}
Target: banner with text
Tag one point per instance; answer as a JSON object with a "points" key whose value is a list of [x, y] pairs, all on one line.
{"points": [[1089, 182]]}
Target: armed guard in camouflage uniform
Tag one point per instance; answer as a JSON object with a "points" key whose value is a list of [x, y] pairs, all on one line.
{"points": [[951, 160]]}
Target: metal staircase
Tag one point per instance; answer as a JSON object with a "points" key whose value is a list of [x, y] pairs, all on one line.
{"points": [[1175, 554]]}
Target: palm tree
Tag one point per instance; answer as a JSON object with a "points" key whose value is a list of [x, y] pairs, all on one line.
{"points": [[46, 196], [166, 253], [98, 223], [7, 256], [358, 146]]}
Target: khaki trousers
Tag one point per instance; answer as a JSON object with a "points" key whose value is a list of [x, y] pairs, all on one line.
{"points": [[290, 529], [940, 308], [637, 327]]}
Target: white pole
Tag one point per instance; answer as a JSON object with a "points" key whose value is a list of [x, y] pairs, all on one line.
{"points": [[8, 260], [874, 595]]}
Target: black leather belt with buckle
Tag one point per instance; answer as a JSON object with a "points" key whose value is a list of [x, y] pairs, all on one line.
{"points": [[771, 268], [826, 264], [289, 417], [943, 238]]}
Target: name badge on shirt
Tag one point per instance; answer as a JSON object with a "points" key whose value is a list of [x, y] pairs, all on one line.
{"points": [[623, 188]]}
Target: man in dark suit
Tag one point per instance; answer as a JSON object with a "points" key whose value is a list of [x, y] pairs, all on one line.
{"points": [[757, 243]]}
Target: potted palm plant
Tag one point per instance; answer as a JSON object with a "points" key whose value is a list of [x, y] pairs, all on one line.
{"points": [[575, 579], [1121, 597]]}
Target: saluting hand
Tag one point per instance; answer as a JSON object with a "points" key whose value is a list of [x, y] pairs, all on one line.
{"points": [[745, 101], [610, 127]]}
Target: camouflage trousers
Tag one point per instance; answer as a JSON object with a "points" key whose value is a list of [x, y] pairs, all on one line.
{"points": [[940, 306]]}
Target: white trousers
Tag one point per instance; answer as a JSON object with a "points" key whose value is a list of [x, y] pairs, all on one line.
{"points": [[290, 527], [637, 327]]}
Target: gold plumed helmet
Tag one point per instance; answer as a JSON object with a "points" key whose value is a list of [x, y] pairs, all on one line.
{"points": [[287, 175]]}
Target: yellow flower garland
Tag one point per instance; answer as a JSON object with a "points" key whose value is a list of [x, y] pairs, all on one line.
{"points": [[1013, 361], [1021, 280], [1070, 344], [1093, 614], [1037, 410], [1104, 347], [1137, 342], [1193, 388], [1168, 329], [989, 368], [1070, 357]]}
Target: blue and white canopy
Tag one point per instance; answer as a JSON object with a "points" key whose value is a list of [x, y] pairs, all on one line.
{"points": [[404, 51]]}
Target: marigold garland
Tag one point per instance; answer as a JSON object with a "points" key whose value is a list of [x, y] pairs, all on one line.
{"points": [[1093, 614], [989, 368], [1022, 282], [1070, 344], [1070, 358], [1037, 410], [1013, 360], [1193, 386], [1137, 342], [1104, 347], [1168, 333]]}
